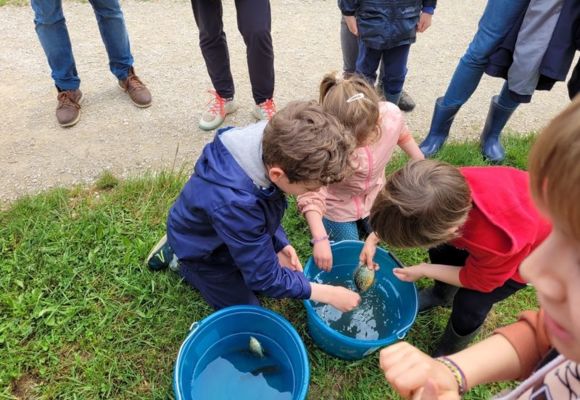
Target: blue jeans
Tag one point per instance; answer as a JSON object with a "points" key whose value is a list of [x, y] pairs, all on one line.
{"points": [[53, 35], [496, 21], [394, 67]]}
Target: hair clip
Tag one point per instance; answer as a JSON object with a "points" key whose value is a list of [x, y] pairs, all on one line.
{"points": [[355, 97]]}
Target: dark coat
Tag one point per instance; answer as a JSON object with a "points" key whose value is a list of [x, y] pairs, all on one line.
{"points": [[384, 24], [221, 217], [558, 57]]}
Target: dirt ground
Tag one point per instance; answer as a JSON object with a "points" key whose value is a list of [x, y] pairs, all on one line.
{"points": [[36, 154]]}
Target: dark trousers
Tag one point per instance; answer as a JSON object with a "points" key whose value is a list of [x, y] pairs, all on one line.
{"points": [[220, 283], [394, 66], [470, 307], [254, 23]]}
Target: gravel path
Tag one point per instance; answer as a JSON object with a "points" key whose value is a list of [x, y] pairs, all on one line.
{"points": [[36, 154]]}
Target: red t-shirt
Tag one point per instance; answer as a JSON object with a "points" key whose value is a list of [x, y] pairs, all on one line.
{"points": [[502, 228]]}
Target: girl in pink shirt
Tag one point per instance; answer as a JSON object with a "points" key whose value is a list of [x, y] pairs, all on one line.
{"points": [[340, 211]]}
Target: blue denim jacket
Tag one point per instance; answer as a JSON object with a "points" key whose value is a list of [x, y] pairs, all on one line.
{"points": [[383, 24]]}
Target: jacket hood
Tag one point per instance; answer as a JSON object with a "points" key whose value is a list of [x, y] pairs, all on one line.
{"points": [[217, 165]]}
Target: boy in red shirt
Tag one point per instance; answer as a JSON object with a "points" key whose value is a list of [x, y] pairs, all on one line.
{"points": [[542, 349], [480, 219]]}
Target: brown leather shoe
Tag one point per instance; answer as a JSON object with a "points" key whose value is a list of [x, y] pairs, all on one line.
{"points": [[68, 111], [136, 89]]}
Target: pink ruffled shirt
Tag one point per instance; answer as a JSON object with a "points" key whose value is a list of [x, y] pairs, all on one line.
{"points": [[352, 199]]}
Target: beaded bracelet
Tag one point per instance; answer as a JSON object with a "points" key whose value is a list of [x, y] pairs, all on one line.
{"points": [[320, 239], [457, 373]]}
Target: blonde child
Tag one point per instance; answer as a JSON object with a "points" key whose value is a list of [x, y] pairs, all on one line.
{"points": [[340, 211], [542, 348]]}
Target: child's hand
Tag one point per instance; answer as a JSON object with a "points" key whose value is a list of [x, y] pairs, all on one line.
{"points": [[344, 299], [411, 274], [289, 259], [351, 24], [413, 374], [323, 255], [424, 22], [368, 252]]}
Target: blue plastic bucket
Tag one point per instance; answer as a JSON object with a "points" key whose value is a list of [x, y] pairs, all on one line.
{"points": [[225, 334], [401, 297]]}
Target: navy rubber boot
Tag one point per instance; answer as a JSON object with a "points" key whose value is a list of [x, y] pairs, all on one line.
{"points": [[497, 117], [440, 124]]}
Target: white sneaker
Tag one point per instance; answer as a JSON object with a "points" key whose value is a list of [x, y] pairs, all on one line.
{"points": [[218, 108], [265, 110]]}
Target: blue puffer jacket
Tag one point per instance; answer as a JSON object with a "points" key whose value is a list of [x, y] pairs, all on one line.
{"points": [[221, 217], [384, 24]]}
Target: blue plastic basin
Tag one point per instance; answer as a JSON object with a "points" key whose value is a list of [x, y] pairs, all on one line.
{"points": [[223, 336], [401, 297]]}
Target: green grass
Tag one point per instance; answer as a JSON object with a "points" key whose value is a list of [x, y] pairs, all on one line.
{"points": [[81, 317]]}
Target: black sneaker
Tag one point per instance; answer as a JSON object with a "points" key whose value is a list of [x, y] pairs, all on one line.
{"points": [[406, 102], [162, 256]]}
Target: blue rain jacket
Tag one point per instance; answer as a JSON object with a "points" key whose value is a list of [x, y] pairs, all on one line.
{"points": [[221, 217], [384, 24]]}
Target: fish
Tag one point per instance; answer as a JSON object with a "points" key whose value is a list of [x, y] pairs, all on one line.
{"points": [[265, 370], [256, 347], [364, 277]]}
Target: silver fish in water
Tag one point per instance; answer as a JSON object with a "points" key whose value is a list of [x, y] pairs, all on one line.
{"points": [[256, 347], [364, 277]]}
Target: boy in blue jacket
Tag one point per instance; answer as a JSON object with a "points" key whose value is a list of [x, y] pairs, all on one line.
{"points": [[386, 30], [225, 227]]}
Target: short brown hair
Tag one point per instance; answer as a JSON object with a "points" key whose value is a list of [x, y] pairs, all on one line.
{"points": [[360, 116], [554, 167], [420, 205], [308, 144]]}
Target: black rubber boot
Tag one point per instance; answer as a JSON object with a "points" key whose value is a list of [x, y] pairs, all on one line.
{"points": [[440, 294], [451, 342], [440, 124], [497, 117]]}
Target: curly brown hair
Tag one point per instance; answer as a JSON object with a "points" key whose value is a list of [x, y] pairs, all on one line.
{"points": [[421, 205], [308, 144]]}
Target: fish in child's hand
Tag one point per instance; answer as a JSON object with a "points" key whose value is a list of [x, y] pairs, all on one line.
{"points": [[364, 277]]}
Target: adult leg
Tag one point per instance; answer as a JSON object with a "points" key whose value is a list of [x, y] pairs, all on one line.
{"points": [[349, 47], [441, 293], [496, 21], [115, 37], [255, 24], [220, 285], [338, 231], [214, 48], [470, 309], [395, 70], [51, 29]]}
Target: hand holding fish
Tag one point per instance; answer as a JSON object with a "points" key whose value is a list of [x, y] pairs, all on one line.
{"points": [[367, 254]]}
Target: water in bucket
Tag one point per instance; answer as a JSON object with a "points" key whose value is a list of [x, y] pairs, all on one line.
{"points": [[373, 319], [228, 370]]}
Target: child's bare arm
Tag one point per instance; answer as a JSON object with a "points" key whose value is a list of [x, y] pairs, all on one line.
{"points": [[408, 369], [411, 148], [339, 297], [444, 273], [321, 244]]}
